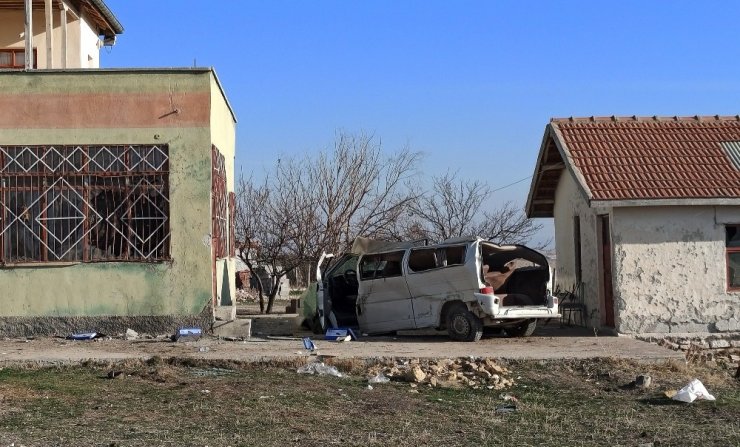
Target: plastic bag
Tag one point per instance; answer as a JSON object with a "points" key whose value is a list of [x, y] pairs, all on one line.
{"points": [[380, 378], [321, 369], [695, 390]]}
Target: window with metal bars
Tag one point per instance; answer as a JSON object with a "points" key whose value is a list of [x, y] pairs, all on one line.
{"points": [[232, 224], [219, 202], [84, 203]]}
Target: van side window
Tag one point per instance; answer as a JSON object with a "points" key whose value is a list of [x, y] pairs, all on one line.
{"points": [[384, 265], [455, 255], [423, 259]]}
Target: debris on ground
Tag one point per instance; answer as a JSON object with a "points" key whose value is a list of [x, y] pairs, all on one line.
{"points": [[187, 334], [85, 336], [379, 378], [474, 373], [308, 344], [321, 369], [695, 390], [506, 408], [131, 334]]}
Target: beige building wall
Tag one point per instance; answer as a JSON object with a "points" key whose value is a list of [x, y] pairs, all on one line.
{"points": [[223, 135], [670, 271], [570, 202], [82, 41], [174, 107]]}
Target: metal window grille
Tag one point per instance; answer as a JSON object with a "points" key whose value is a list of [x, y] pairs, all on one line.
{"points": [[232, 224], [84, 203], [218, 193]]}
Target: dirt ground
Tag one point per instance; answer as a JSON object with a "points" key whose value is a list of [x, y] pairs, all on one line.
{"points": [[547, 343]]}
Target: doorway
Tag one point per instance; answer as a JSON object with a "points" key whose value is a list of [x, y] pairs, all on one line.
{"points": [[606, 271]]}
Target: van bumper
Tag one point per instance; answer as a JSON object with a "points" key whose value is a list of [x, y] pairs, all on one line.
{"points": [[490, 305]]}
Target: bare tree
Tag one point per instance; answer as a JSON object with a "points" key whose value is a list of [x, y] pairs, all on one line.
{"points": [[454, 208], [275, 221], [320, 202], [359, 190]]}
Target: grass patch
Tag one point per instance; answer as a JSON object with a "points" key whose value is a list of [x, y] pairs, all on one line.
{"points": [[187, 402]]}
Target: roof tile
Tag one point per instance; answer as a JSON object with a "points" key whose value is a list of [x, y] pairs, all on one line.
{"points": [[653, 158]]}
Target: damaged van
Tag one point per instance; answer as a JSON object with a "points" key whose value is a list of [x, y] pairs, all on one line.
{"points": [[461, 286]]}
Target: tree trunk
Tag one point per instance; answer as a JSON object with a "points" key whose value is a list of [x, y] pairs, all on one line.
{"points": [[275, 282]]}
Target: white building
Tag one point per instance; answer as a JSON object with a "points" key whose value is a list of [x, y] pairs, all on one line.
{"points": [[65, 33], [647, 219]]}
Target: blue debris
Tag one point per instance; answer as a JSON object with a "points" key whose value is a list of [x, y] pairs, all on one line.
{"points": [[84, 336], [308, 344]]}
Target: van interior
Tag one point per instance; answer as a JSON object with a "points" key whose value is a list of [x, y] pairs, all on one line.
{"points": [[342, 288], [517, 273]]}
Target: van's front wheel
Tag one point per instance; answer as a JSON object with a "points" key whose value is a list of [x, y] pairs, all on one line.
{"points": [[462, 325], [523, 329]]}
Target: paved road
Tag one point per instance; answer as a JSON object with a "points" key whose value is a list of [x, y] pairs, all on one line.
{"points": [[547, 343]]}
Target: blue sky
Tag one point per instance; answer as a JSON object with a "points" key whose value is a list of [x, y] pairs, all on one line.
{"points": [[470, 84]]}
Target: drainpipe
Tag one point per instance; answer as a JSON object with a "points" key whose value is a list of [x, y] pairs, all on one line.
{"points": [[29, 35]]}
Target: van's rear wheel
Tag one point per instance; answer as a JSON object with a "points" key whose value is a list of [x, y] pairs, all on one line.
{"points": [[462, 325], [523, 329]]}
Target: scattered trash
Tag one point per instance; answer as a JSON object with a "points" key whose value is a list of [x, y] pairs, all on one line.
{"points": [[340, 332], [205, 391], [114, 374], [343, 339], [506, 408], [509, 397], [378, 378], [85, 336], [695, 390], [265, 397], [187, 334], [670, 393], [369, 387], [309, 344], [203, 349], [131, 334], [321, 369]]}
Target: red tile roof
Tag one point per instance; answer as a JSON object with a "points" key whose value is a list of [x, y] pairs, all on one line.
{"points": [[624, 158]]}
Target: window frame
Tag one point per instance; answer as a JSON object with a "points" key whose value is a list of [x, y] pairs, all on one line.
{"points": [[380, 258], [14, 52], [441, 257], [728, 251], [84, 204]]}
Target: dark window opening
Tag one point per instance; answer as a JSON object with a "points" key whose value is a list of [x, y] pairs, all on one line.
{"points": [[84, 203], [732, 244], [577, 247]]}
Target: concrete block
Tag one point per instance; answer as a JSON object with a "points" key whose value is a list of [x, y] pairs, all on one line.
{"points": [[238, 328], [717, 344], [225, 313], [730, 325]]}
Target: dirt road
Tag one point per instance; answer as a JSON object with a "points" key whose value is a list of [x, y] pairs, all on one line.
{"points": [[547, 343]]}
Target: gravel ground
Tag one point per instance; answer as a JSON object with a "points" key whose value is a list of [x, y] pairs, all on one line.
{"points": [[547, 343]]}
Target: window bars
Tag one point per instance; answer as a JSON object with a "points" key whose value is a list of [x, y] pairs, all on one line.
{"points": [[84, 203], [218, 194]]}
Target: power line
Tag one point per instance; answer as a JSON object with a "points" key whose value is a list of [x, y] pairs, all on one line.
{"points": [[511, 184]]}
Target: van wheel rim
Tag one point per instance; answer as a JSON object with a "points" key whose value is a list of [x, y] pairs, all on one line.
{"points": [[460, 325]]}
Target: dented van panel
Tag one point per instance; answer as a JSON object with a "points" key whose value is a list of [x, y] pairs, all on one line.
{"points": [[461, 285]]}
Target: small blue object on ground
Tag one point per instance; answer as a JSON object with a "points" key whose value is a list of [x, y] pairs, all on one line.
{"points": [[339, 332], [83, 336], [308, 344]]}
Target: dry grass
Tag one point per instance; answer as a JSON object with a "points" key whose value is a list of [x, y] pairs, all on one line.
{"points": [[196, 402]]}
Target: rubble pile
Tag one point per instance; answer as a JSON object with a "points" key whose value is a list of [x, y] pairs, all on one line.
{"points": [[475, 373]]}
